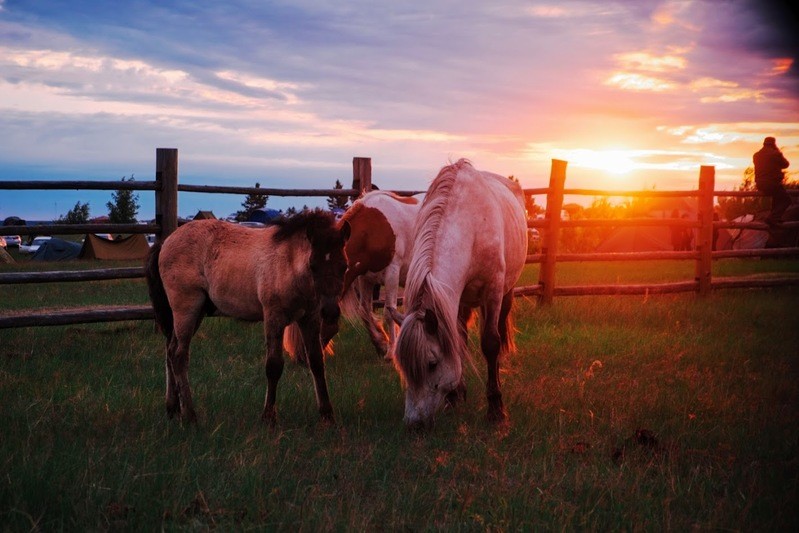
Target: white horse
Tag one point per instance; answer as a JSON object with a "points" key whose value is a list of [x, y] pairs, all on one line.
{"points": [[469, 250], [378, 253]]}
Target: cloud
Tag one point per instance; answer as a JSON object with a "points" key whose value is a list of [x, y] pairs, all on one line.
{"points": [[648, 62], [726, 133], [630, 81]]}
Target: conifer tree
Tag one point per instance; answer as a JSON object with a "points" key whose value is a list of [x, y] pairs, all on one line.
{"points": [[251, 203]]}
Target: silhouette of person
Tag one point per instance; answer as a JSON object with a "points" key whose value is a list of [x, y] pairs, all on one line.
{"points": [[676, 233], [769, 165], [687, 237]]}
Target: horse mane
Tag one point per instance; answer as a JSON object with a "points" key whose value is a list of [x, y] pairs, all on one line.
{"points": [[428, 223], [351, 212], [311, 222], [423, 291]]}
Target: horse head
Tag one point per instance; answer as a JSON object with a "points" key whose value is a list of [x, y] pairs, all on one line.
{"points": [[327, 265], [429, 359]]}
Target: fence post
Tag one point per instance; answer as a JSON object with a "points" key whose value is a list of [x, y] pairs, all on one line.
{"points": [[707, 179], [546, 276], [361, 174], [166, 197]]}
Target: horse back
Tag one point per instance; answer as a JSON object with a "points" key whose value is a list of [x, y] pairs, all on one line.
{"points": [[484, 224], [238, 269], [381, 234]]}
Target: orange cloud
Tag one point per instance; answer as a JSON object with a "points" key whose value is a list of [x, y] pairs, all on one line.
{"points": [[781, 65]]}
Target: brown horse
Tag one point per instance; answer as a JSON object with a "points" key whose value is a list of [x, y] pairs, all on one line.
{"points": [[291, 271]]}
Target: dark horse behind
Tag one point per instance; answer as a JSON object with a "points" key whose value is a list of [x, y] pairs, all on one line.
{"points": [[289, 272]]}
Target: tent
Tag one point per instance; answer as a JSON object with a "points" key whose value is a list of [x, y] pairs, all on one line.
{"points": [[133, 247], [204, 215], [14, 221], [263, 215], [637, 239], [56, 250], [752, 239]]}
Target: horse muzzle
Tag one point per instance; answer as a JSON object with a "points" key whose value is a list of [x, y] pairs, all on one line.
{"points": [[330, 314], [420, 412], [330, 311]]}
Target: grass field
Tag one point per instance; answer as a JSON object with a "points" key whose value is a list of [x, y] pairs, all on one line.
{"points": [[626, 413]]}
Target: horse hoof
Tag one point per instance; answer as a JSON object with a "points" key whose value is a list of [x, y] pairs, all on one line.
{"points": [[269, 417], [328, 419], [497, 415], [188, 416]]}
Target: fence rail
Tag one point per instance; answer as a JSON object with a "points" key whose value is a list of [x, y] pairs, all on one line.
{"points": [[166, 188]]}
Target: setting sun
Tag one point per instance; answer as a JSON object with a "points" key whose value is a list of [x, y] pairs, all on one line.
{"points": [[617, 162]]}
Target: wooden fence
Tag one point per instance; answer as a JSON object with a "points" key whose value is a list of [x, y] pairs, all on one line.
{"points": [[166, 188]]}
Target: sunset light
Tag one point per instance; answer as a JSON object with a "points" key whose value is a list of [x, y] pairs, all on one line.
{"points": [[629, 95], [615, 162]]}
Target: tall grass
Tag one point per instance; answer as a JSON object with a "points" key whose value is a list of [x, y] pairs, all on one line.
{"points": [[626, 413]]}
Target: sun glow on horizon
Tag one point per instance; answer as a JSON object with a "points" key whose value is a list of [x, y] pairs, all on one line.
{"points": [[616, 162]]}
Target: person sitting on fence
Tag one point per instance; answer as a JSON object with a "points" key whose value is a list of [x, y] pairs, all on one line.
{"points": [[769, 165]]}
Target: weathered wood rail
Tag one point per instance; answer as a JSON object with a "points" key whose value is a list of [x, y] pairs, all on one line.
{"points": [[166, 188]]}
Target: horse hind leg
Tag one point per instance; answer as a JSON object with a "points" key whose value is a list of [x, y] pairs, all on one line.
{"points": [[366, 295], [178, 395], [172, 396], [392, 277]]}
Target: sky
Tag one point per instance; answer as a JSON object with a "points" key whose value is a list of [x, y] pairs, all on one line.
{"points": [[633, 94]]}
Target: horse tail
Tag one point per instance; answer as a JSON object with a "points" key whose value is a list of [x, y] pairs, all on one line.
{"points": [[507, 327], [155, 286], [350, 304], [295, 346]]}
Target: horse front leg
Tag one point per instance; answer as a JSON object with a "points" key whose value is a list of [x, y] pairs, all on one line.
{"points": [[459, 393], [316, 362], [274, 369], [490, 345]]}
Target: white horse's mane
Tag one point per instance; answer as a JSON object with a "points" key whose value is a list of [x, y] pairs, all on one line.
{"points": [[423, 292]]}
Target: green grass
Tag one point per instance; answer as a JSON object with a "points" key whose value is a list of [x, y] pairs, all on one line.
{"points": [[86, 444]]}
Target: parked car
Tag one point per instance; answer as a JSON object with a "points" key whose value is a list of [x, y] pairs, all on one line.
{"points": [[34, 245], [13, 240], [252, 224]]}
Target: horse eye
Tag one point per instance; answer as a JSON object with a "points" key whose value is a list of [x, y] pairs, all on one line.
{"points": [[431, 366]]}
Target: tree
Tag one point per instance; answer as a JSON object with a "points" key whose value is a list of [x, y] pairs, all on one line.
{"points": [[337, 202], [124, 206], [77, 215], [251, 203]]}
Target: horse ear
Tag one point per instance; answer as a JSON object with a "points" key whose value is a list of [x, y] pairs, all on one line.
{"points": [[345, 230], [430, 322]]}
